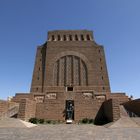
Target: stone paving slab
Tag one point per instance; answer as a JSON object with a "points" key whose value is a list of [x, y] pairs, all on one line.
{"points": [[12, 122], [124, 122], [69, 132]]}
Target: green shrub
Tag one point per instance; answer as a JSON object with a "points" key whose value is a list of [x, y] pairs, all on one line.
{"points": [[48, 121], [91, 121], [33, 120], [86, 121], [53, 121], [58, 121], [41, 121]]}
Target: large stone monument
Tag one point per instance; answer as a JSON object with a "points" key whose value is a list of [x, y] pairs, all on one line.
{"points": [[70, 80]]}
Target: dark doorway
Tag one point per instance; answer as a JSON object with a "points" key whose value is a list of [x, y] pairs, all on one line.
{"points": [[69, 88], [69, 110]]}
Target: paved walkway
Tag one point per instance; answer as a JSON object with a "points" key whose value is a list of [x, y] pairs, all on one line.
{"points": [[70, 132], [15, 123]]}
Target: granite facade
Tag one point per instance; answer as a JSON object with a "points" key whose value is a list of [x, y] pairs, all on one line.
{"points": [[69, 67]]}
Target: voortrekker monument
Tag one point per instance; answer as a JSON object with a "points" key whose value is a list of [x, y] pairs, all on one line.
{"points": [[70, 82]]}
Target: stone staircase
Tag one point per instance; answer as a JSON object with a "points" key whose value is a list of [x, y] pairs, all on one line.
{"points": [[11, 112]]}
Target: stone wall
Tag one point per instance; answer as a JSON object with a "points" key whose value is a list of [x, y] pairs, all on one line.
{"points": [[111, 110], [27, 109], [121, 97], [20, 96], [6, 105], [3, 106], [133, 106], [107, 109], [86, 107], [52, 108]]}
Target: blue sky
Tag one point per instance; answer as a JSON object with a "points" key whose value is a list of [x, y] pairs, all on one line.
{"points": [[24, 25]]}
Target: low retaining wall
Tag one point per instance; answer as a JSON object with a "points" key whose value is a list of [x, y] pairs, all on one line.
{"points": [[108, 112], [111, 110], [133, 106]]}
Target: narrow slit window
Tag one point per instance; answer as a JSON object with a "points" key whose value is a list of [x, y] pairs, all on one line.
{"points": [[70, 37], [82, 37], [64, 37], [59, 38], [76, 37], [69, 88], [52, 37], [88, 37]]}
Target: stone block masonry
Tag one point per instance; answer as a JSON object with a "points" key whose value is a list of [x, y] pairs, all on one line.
{"points": [[70, 80], [27, 109]]}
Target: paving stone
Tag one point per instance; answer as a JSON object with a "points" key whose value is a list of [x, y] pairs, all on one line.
{"points": [[69, 132]]}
